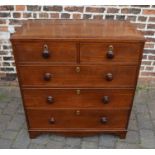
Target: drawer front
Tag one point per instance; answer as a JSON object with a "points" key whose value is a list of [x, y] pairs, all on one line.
{"points": [[78, 98], [51, 52], [70, 119], [85, 76], [109, 52]]}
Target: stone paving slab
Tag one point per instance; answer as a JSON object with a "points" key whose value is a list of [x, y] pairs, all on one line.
{"points": [[14, 135]]}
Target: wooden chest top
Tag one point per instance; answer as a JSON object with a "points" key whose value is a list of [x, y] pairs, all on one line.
{"points": [[95, 30]]}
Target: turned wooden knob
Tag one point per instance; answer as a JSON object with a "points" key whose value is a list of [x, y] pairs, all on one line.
{"points": [[105, 99], [50, 99], [46, 53], [47, 76], [109, 77], [110, 53], [52, 120], [104, 120]]}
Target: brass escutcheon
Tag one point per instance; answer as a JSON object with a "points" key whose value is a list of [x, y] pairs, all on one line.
{"points": [[111, 48], [77, 69], [78, 91], [78, 112]]}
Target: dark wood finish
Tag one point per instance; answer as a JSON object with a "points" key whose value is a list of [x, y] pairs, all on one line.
{"points": [[59, 52], [88, 98], [77, 77], [89, 30], [87, 119], [99, 53], [88, 76], [79, 133]]}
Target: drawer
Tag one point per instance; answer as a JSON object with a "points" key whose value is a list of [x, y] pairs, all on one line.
{"points": [[109, 52], [78, 98], [78, 119], [83, 76], [50, 52]]}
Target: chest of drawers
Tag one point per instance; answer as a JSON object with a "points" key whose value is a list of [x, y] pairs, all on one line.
{"points": [[77, 77]]}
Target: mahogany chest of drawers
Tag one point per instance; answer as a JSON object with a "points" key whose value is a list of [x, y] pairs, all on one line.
{"points": [[77, 77]]}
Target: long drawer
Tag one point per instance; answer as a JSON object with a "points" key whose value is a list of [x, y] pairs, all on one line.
{"points": [[78, 98], [78, 76], [77, 119]]}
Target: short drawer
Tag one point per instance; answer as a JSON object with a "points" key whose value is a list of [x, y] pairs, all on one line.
{"points": [[51, 52], [109, 52], [77, 119], [78, 76], [78, 98]]}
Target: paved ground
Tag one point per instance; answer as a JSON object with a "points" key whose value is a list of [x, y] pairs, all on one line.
{"points": [[13, 130]]}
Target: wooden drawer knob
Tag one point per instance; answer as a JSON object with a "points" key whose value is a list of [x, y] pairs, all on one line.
{"points": [[45, 53], [110, 53], [50, 99], [105, 99], [52, 120], [47, 76], [109, 77], [104, 120]]}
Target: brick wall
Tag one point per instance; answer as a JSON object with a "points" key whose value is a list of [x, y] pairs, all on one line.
{"points": [[13, 16]]}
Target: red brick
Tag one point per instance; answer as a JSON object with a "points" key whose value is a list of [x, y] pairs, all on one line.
{"points": [[112, 10], [5, 14], [149, 33], [65, 15], [149, 68], [87, 16], [149, 12], [147, 73], [99, 17], [2, 21], [146, 62], [27, 15], [16, 15], [144, 57], [52, 8], [34, 15], [149, 51], [20, 7], [142, 18], [76, 16], [131, 18], [33, 8], [54, 15], [74, 8], [149, 46], [151, 19], [120, 17], [150, 39], [95, 9], [43, 15], [131, 10], [109, 17], [141, 68], [151, 57], [6, 8], [151, 26]]}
